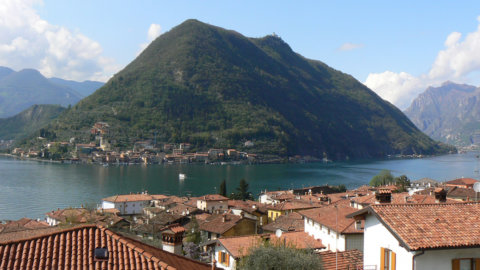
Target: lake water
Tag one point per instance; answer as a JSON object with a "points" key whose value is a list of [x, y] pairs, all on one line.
{"points": [[30, 188]]}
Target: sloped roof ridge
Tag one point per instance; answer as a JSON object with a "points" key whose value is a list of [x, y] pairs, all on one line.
{"points": [[52, 233]]}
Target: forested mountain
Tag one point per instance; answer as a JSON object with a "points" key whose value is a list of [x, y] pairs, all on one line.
{"points": [[28, 121], [450, 113], [213, 87]]}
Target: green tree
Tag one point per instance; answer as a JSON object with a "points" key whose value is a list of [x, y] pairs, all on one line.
{"points": [[383, 178], [223, 188], [242, 192], [193, 235], [279, 257], [402, 182]]}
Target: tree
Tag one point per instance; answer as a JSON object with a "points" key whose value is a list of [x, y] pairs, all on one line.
{"points": [[193, 235], [280, 257], [191, 250], [223, 188], [242, 192], [402, 182], [383, 178]]}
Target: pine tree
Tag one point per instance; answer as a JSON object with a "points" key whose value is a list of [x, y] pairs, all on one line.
{"points": [[242, 191], [223, 188]]}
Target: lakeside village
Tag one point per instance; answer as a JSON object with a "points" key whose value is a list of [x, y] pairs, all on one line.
{"points": [[426, 225], [143, 152]]}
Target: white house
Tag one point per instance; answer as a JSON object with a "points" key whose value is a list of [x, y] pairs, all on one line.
{"points": [[229, 250], [421, 236], [129, 204], [330, 224], [212, 202]]}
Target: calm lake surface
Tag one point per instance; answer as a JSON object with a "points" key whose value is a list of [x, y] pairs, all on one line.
{"points": [[30, 188]]}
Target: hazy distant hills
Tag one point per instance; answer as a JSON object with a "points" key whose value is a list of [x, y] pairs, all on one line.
{"points": [[450, 113], [216, 88], [84, 88], [28, 121], [22, 89]]}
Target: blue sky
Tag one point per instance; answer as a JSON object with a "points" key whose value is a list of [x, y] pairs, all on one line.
{"points": [[395, 48]]}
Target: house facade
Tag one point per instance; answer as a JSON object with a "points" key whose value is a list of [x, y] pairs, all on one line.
{"points": [[330, 224], [131, 204], [212, 203], [426, 237]]}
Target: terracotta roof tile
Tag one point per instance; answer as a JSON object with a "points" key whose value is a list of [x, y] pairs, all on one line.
{"points": [[73, 248], [327, 216], [129, 198], [293, 205], [462, 181], [427, 226], [290, 222], [219, 223], [344, 260], [240, 246], [213, 197]]}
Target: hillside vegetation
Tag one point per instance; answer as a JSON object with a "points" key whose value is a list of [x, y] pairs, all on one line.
{"points": [[216, 88]]}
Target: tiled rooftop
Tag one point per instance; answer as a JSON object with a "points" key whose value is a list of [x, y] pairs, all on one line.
{"points": [[327, 216], [240, 246], [427, 226], [22, 224], [73, 249], [344, 260], [213, 197], [129, 198], [290, 222], [462, 181], [293, 205], [219, 223]]}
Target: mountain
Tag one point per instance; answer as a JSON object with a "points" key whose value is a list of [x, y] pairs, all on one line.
{"points": [[22, 89], [450, 113], [85, 88], [213, 87], [28, 121]]}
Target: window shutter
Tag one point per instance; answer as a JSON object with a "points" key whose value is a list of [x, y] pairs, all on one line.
{"points": [[227, 259], [382, 258], [477, 264], [220, 255], [455, 264], [393, 264]]}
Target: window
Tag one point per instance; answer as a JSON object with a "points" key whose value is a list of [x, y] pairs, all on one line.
{"points": [[466, 264], [387, 259], [224, 258]]}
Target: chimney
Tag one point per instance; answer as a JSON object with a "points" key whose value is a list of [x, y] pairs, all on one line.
{"points": [[224, 218], [440, 195], [383, 196]]}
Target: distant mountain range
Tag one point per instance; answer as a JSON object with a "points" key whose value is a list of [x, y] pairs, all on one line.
{"points": [[22, 89], [30, 120], [450, 113], [213, 87]]}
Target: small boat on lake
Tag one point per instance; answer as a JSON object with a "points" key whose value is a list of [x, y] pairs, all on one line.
{"points": [[181, 176]]}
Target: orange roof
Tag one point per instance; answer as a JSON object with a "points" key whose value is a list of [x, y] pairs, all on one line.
{"points": [[239, 246], [289, 222], [129, 198], [22, 224], [429, 226], [213, 197], [72, 248], [292, 205], [344, 260], [217, 223], [462, 181], [327, 216]]}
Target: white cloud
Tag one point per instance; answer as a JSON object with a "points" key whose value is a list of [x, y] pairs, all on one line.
{"points": [[154, 31], [349, 46], [28, 41], [456, 62]]}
